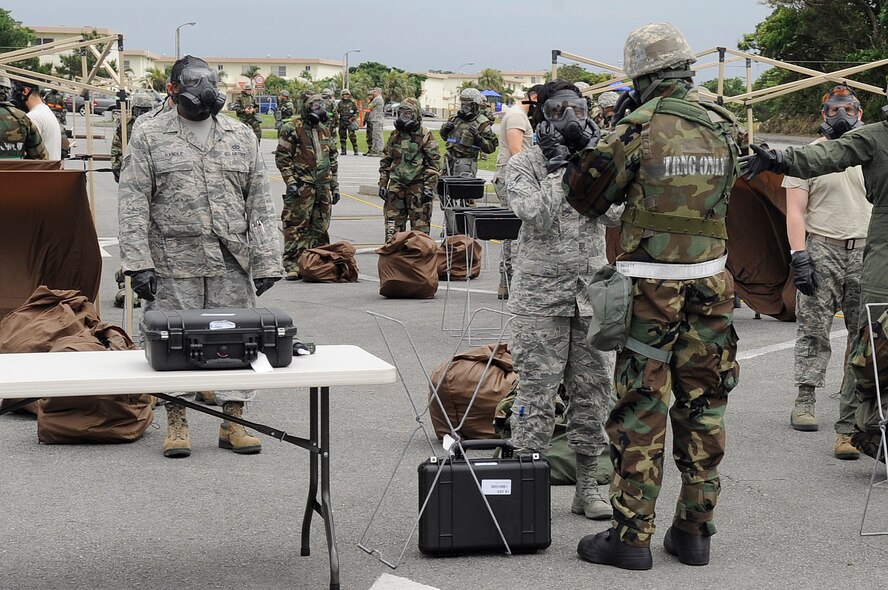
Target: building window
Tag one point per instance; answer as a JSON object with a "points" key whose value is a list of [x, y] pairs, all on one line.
{"points": [[126, 64], [308, 69], [282, 71], [220, 67], [534, 79], [42, 40], [245, 69]]}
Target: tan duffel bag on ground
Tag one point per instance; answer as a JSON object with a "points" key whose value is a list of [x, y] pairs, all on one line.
{"points": [[333, 263], [456, 247], [408, 266], [459, 384]]}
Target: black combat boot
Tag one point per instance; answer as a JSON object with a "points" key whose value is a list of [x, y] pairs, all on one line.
{"points": [[606, 548], [343, 152], [690, 549]]}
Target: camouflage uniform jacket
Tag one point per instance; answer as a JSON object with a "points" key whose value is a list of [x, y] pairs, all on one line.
{"points": [[160, 109], [287, 110], [332, 114], [56, 103], [241, 103], [461, 143], [307, 153], [347, 111], [19, 137], [410, 158], [560, 249], [180, 202], [673, 162], [377, 106]]}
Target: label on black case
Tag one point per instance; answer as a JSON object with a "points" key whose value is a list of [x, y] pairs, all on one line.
{"points": [[496, 487]]}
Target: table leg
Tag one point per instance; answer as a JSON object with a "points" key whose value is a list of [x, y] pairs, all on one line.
{"points": [[327, 508], [312, 501]]}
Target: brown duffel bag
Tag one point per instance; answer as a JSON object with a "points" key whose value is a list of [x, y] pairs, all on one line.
{"points": [[95, 418], [459, 383], [333, 263], [456, 247], [54, 321], [408, 266]]}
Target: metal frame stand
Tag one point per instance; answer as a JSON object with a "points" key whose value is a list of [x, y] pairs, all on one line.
{"points": [[882, 453], [420, 412]]}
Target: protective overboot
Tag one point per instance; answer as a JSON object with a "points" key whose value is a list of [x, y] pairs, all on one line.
{"points": [[844, 449], [234, 436], [802, 416], [606, 548], [177, 443], [690, 549], [356, 152], [588, 499], [343, 152]]}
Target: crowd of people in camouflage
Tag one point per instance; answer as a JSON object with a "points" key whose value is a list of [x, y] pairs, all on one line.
{"points": [[198, 229]]}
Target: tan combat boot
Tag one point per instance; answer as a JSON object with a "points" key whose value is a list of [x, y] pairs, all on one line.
{"points": [[177, 443], [802, 416], [588, 499], [234, 436], [844, 449]]}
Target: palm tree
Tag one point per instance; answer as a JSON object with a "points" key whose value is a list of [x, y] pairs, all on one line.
{"points": [[492, 79], [251, 72], [156, 79]]}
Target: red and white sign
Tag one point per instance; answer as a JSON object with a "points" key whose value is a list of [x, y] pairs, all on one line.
{"points": [[259, 81]]}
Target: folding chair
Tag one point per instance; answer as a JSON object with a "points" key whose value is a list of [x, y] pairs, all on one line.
{"points": [[421, 412], [883, 422]]}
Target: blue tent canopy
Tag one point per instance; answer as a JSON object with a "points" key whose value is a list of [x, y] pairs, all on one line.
{"points": [[619, 87], [490, 93]]}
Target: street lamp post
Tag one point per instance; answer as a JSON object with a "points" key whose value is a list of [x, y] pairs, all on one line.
{"points": [[191, 24], [345, 77]]}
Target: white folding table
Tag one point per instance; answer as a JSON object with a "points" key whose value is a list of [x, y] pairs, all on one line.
{"points": [[65, 374]]}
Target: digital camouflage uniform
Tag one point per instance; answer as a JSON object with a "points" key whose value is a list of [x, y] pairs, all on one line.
{"points": [[462, 146], [200, 215], [409, 169], [672, 161], [374, 135], [242, 104], [347, 113], [867, 147], [560, 250], [141, 103], [306, 157]]}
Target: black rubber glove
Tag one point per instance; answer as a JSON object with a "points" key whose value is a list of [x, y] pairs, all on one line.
{"points": [[553, 146], [383, 193], [763, 160], [336, 196], [804, 276], [446, 129], [427, 196], [144, 283], [292, 191], [264, 284], [476, 135], [116, 174]]}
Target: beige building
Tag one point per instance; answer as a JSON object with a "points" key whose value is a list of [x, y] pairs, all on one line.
{"points": [[51, 34], [440, 92]]}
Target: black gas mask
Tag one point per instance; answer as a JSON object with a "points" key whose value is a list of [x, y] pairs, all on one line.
{"points": [[406, 120], [198, 96], [467, 110], [19, 96], [842, 114], [567, 113], [316, 112]]}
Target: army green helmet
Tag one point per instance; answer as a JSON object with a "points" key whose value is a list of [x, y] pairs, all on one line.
{"points": [[5, 87], [327, 93], [608, 99], [345, 92], [285, 93], [654, 48], [412, 104], [472, 95]]}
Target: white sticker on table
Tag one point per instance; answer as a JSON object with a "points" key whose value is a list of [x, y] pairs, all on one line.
{"points": [[496, 487]]}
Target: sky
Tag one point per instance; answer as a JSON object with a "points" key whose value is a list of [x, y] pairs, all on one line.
{"points": [[415, 35]]}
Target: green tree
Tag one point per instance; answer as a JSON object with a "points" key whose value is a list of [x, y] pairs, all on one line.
{"points": [[823, 35], [71, 64], [274, 84], [492, 79], [732, 87], [14, 36], [250, 72], [156, 79]]}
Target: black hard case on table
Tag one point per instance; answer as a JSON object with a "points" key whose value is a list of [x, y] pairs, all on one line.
{"points": [[457, 521], [460, 188], [216, 338]]}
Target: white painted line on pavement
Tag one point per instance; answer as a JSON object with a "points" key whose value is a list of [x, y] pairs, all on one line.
{"points": [[390, 582], [781, 346]]}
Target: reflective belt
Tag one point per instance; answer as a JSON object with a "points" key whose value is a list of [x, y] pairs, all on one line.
{"points": [[674, 272]]}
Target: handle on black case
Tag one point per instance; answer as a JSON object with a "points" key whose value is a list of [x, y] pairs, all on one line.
{"points": [[221, 364], [485, 444]]}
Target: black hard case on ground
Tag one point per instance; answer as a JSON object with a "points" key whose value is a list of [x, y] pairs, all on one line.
{"points": [[216, 338], [456, 519]]}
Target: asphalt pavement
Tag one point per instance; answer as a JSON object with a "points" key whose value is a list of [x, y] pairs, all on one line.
{"points": [[123, 516]]}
